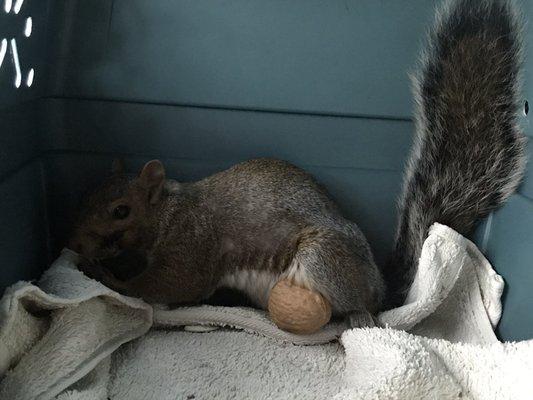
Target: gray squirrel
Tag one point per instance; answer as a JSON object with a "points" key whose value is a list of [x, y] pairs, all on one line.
{"points": [[263, 220], [244, 228]]}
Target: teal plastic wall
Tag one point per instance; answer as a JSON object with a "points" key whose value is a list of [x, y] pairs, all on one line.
{"points": [[204, 84], [23, 222]]}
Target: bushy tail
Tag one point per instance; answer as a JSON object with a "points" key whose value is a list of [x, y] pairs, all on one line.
{"points": [[469, 153]]}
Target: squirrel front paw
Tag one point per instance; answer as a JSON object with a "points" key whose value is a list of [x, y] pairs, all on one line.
{"points": [[104, 276], [91, 271], [96, 272]]}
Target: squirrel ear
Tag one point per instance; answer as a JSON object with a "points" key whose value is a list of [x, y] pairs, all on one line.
{"points": [[152, 177], [118, 167]]}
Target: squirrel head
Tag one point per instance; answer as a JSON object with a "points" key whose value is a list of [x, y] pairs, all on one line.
{"points": [[118, 214]]}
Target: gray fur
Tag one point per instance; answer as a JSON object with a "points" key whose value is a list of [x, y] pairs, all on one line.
{"points": [[265, 217], [468, 156]]}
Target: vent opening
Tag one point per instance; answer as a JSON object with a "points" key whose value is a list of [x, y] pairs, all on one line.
{"points": [[28, 27], [29, 79], [7, 6], [3, 50], [18, 6], [16, 63]]}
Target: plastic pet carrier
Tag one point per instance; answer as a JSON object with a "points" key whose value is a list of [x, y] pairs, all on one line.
{"points": [[203, 85]]}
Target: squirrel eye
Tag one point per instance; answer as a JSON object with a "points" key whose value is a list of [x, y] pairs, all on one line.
{"points": [[121, 212]]}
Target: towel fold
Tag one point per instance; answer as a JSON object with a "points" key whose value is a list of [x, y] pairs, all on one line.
{"points": [[56, 339], [54, 335]]}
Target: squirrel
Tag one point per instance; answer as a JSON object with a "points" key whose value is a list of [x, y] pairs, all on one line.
{"points": [[265, 219], [244, 228]]}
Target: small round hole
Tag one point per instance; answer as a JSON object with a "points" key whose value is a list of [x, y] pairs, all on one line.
{"points": [[526, 108]]}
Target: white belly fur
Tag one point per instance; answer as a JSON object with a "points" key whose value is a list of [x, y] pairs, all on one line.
{"points": [[258, 284], [255, 284]]}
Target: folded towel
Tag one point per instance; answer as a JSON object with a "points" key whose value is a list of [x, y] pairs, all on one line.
{"points": [[55, 341], [453, 353], [52, 336]]}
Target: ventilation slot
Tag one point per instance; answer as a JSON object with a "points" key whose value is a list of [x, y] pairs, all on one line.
{"points": [[28, 27], [7, 6], [16, 63], [3, 50], [18, 6]]}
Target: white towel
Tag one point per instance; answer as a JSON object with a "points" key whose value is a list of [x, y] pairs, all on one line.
{"points": [[54, 335], [451, 349]]}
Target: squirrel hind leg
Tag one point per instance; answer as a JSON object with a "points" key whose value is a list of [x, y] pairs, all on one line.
{"points": [[326, 276], [331, 264]]}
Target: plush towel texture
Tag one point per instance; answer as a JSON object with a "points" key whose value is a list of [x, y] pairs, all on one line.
{"points": [[56, 339], [54, 335]]}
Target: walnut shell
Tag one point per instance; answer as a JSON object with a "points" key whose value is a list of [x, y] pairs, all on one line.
{"points": [[296, 309]]}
